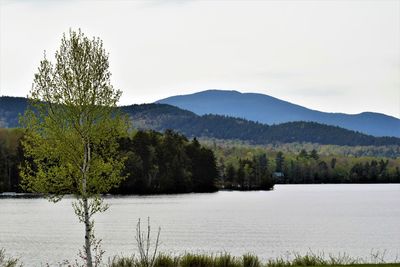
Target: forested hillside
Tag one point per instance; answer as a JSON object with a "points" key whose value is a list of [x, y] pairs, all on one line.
{"points": [[10, 108], [161, 117]]}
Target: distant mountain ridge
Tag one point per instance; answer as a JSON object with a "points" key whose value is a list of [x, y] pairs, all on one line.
{"points": [[160, 117], [10, 108], [266, 109]]}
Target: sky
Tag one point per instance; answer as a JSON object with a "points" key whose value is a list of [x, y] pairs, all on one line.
{"points": [[334, 56]]}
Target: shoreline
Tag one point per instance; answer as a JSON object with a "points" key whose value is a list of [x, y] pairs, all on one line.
{"points": [[8, 195]]}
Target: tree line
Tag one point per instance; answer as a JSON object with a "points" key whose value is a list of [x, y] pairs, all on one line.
{"points": [[168, 162], [155, 163], [240, 167]]}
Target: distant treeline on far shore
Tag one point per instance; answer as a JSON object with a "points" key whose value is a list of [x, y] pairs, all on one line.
{"points": [[168, 162]]}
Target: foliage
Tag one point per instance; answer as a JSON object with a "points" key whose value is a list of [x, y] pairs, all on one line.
{"points": [[72, 127]]}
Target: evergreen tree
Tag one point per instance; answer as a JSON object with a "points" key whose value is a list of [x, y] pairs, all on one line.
{"points": [[279, 161], [230, 176], [314, 154]]}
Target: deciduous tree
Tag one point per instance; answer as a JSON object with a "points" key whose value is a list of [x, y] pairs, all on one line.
{"points": [[72, 130]]}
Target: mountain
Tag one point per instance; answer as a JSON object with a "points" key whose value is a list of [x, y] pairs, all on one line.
{"points": [[270, 110], [10, 108], [160, 117]]}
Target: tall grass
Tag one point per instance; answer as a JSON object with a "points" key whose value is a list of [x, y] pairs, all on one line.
{"points": [[247, 260], [196, 260], [123, 262], [250, 260], [164, 260], [226, 260]]}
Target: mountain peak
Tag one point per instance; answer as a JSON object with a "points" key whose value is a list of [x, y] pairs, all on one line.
{"points": [[270, 110]]}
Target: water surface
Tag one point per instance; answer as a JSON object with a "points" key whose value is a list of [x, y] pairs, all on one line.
{"points": [[355, 219]]}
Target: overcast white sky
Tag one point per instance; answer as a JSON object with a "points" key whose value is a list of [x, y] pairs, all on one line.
{"points": [[336, 56]]}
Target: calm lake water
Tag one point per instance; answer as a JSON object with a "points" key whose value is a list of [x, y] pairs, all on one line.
{"points": [[355, 219]]}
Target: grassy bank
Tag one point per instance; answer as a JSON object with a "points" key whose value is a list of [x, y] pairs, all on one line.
{"points": [[247, 260], [218, 260]]}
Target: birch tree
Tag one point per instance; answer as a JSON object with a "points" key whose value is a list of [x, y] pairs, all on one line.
{"points": [[72, 130]]}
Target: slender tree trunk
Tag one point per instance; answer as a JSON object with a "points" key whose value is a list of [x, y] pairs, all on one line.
{"points": [[88, 230], [88, 226]]}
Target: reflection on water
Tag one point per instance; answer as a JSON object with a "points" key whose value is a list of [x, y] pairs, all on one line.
{"points": [[332, 218]]}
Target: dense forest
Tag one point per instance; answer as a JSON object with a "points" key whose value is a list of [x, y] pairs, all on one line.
{"points": [[237, 164], [155, 163], [170, 163], [160, 117], [166, 163]]}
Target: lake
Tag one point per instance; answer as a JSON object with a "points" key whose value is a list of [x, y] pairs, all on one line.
{"points": [[354, 219]]}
